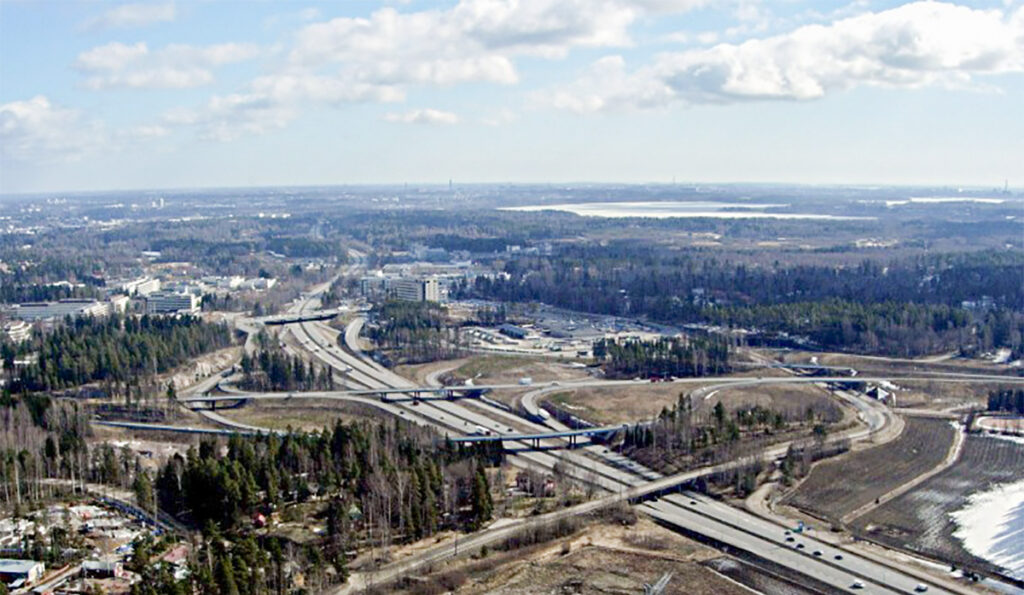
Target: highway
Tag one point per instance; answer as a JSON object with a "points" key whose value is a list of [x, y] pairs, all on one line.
{"points": [[728, 525], [609, 471]]}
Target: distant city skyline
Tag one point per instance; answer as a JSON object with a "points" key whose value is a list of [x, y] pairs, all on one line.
{"points": [[102, 96]]}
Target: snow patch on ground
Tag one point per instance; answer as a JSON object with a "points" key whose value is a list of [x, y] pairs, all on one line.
{"points": [[991, 526]]}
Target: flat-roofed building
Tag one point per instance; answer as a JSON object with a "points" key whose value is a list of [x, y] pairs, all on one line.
{"points": [[52, 310], [172, 303], [414, 290], [142, 286], [20, 573]]}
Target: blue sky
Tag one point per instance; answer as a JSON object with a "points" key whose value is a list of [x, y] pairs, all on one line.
{"points": [[103, 95]]}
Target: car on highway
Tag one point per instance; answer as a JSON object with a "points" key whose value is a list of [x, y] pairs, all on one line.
{"points": [[920, 588], [857, 585]]}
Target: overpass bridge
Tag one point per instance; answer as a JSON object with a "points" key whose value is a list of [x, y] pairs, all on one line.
{"points": [[422, 393], [131, 425], [534, 439], [294, 317]]}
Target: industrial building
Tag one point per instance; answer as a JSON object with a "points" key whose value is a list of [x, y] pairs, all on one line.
{"points": [[172, 303], [20, 573], [55, 310]]}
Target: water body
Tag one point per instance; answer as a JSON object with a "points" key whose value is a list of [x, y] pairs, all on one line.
{"points": [[991, 525], [669, 209], [933, 200]]}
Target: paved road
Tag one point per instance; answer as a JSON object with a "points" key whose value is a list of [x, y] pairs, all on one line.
{"points": [[603, 470]]}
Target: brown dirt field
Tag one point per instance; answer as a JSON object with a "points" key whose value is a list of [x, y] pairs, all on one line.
{"points": [[601, 558], [906, 366], [496, 369], [624, 405], [502, 369], [919, 520], [838, 486], [1008, 425], [936, 394], [418, 372], [309, 415]]}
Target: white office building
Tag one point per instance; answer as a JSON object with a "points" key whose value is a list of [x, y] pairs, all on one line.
{"points": [[172, 303], [414, 290], [141, 287]]}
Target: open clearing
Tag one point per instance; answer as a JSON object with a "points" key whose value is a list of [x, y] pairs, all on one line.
{"points": [[309, 415], [866, 363], [839, 486], [601, 558], [941, 395], [920, 519], [644, 401]]}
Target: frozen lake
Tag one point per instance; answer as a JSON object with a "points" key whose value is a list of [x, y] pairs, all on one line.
{"points": [[668, 209], [991, 526]]}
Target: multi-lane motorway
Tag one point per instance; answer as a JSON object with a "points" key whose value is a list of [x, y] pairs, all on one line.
{"points": [[840, 569], [593, 464]]}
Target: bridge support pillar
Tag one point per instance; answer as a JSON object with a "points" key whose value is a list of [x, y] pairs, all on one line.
{"points": [[572, 441]]}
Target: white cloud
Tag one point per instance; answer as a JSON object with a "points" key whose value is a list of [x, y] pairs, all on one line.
{"points": [[473, 41], [228, 117], [37, 130], [379, 57], [173, 67], [915, 45], [133, 15], [423, 116]]}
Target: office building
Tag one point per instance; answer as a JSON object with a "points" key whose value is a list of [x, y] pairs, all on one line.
{"points": [[55, 310], [172, 303], [414, 290]]}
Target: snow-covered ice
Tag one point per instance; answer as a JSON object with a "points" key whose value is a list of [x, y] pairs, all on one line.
{"points": [[991, 526]]}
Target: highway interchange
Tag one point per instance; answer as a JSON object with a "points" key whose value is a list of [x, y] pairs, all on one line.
{"points": [[607, 471]]}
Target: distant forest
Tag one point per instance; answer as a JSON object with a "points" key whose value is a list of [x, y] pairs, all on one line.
{"points": [[116, 351], [972, 302]]}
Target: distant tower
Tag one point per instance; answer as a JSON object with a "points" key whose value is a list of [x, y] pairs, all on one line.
{"points": [[449, 184], [1006, 186]]}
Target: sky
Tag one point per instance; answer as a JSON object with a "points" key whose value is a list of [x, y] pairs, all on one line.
{"points": [[202, 93]]}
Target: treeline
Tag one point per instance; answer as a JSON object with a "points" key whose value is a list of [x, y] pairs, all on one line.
{"points": [[380, 484], [40, 440], [892, 328], [1011, 400], [665, 357], [271, 369], [414, 332], [114, 350], [685, 435], [908, 307]]}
